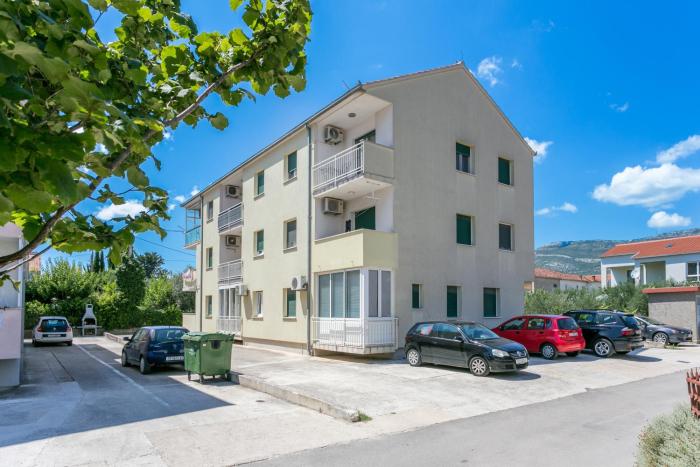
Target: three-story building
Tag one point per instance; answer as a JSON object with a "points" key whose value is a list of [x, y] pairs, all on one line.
{"points": [[406, 199]]}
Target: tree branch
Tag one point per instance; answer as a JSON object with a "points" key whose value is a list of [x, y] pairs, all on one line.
{"points": [[26, 260]]}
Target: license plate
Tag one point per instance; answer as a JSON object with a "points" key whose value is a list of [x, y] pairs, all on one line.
{"points": [[520, 361], [573, 334], [174, 358], [54, 335]]}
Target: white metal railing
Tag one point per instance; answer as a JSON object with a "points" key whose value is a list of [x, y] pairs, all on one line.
{"points": [[231, 217], [231, 271], [355, 332], [338, 169], [229, 324]]}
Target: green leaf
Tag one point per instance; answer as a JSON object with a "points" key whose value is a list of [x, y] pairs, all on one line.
{"points": [[137, 177], [234, 4], [218, 121], [237, 36], [100, 5], [59, 177], [28, 198], [5, 204]]}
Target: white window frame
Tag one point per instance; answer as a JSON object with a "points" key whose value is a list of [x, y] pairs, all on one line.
{"points": [[694, 277], [364, 293], [296, 235], [258, 303]]}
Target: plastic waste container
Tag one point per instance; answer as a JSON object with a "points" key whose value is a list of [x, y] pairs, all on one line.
{"points": [[208, 354]]}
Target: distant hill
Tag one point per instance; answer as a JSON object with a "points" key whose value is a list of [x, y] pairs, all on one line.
{"points": [[583, 256]]}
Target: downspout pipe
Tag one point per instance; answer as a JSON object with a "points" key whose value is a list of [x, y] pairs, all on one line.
{"points": [[201, 262], [309, 234]]}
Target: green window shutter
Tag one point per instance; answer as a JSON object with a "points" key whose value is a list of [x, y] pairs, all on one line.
{"points": [[464, 230], [504, 171], [291, 303], [365, 219], [292, 165], [260, 242], [260, 189], [490, 303], [452, 301], [415, 296]]}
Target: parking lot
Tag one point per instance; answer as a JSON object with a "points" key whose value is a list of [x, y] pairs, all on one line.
{"points": [[80, 407]]}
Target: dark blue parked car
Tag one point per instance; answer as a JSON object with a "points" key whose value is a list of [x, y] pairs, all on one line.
{"points": [[154, 345]]}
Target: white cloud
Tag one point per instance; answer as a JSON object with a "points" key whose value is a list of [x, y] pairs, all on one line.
{"points": [[516, 64], [171, 206], [130, 208], [179, 199], [167, 134], [565, 207], [649, 187], [489, 69], [662, 219], [622, 108], [101, 148], [195, 190], [540, 147], [679, 150]]}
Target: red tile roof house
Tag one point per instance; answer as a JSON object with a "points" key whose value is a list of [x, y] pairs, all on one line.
{"points": [[669, 259], [548, 279]]}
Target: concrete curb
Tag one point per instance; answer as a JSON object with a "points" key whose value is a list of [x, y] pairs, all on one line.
{"points": [[295, 397], [114, 337]]}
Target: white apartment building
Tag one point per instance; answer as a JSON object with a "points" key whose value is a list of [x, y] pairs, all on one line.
{"points": [[406, 199], [11, 311]]}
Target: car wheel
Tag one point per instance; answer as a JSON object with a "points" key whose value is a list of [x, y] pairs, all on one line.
{"points": [[479, 366], [144, 367], [35, 343], [69, 343], [125, 361], [413, 356], [549, 352], [660, 338], [603, 348], [572, 354]]}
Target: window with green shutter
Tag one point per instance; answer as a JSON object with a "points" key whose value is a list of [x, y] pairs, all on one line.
{"points": [[291, 303], [259, 242], [463, 158], [504, 171], [365, 219], [505, 237], [260, 183], [292, 165], [416, 299], [464, 229], [452, 301], [491, 303]]}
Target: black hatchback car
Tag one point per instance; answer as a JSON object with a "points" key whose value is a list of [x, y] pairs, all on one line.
{"points": [[662, 333], [608, 332], [154, 345], [463, 344]]}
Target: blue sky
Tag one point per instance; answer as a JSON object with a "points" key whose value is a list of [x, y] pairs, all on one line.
{"points": [[610, 94]]}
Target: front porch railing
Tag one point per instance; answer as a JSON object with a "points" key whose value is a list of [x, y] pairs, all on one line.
{"points": [[355, 332], [229, 324], [340, 168], [230, 272]]}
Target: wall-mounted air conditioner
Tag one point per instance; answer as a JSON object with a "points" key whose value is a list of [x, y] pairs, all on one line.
{"points": [[333, 134], [233, 241], [241, 289], [333, 206], [233, 191], [299, 283]]}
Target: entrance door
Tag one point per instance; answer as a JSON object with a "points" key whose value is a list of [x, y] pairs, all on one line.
{"points": [[365, 219]]}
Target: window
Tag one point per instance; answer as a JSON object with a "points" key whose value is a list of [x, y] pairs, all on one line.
{"points": [[491, 303], [416, 296], [209, 305], [260, 183], [693, 272], [210, 211], [514, 324], [464, 230], [452, 301], [258, 303], [290, 234], [290, 309], [464, 163], [292, 165], [369, 136], [445, 331], [210, 258], [605, 318], [535, 324], [505, 171], [423, 329], [505, 237], [339, 294], [259, 242], [366, 219]]}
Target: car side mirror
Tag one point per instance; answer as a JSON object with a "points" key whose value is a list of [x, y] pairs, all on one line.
{"points": [[458, 338], [127, 339]]}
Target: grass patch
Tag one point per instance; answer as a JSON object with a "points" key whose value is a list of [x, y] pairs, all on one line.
{"points": [[671, 440], [364, 417]]}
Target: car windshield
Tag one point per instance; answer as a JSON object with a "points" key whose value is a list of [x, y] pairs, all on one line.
{"points": [[477, 332], [630, 322], [567, 324], [164, 335], [651, 320], [54, 325]]}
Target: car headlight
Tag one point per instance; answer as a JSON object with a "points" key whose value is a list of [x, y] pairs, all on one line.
{"points": [[499, 353], [672, 331]]}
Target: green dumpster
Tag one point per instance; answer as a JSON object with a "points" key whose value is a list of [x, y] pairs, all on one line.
{"points": [[208, 354]]}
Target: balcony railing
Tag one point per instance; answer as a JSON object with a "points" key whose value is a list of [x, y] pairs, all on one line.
{"points": [[231, 217], [355, 333], [363, 159], [193, 235], [230, 272], [229, 324]]}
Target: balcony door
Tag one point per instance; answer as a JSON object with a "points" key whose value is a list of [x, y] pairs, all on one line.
{"points": [[365, 219]]}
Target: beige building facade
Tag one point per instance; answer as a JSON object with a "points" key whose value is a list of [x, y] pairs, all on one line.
{"points": [[406, 199]]}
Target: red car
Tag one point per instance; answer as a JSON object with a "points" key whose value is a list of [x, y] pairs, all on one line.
{"points": [[548, 335]]}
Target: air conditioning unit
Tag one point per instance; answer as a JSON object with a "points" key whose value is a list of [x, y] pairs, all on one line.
{"points": [[299, 283], [233, 241], [333, 206], [241, 289], [333, 134], [233, 191]]}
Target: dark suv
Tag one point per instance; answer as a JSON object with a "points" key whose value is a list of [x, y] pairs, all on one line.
{"points": [[463, 344], [607, 331]]}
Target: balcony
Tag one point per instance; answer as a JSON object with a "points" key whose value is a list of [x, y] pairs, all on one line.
{"points": [[193, 236], [231, 218], [355, 335], [229, 325], [353, 172], [230, 272], [358, 248]]}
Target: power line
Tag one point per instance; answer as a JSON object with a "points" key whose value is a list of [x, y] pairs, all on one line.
{"points": [[166, 247]]}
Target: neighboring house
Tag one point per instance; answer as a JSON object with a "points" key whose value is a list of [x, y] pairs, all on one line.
{"points": [[669, 259], [677, 306], [415, 203], [11, 311], [547, 279]]}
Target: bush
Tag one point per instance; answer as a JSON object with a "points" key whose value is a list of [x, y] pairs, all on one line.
{"points": [[671, 440], [33, 310], [625, 297]]}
